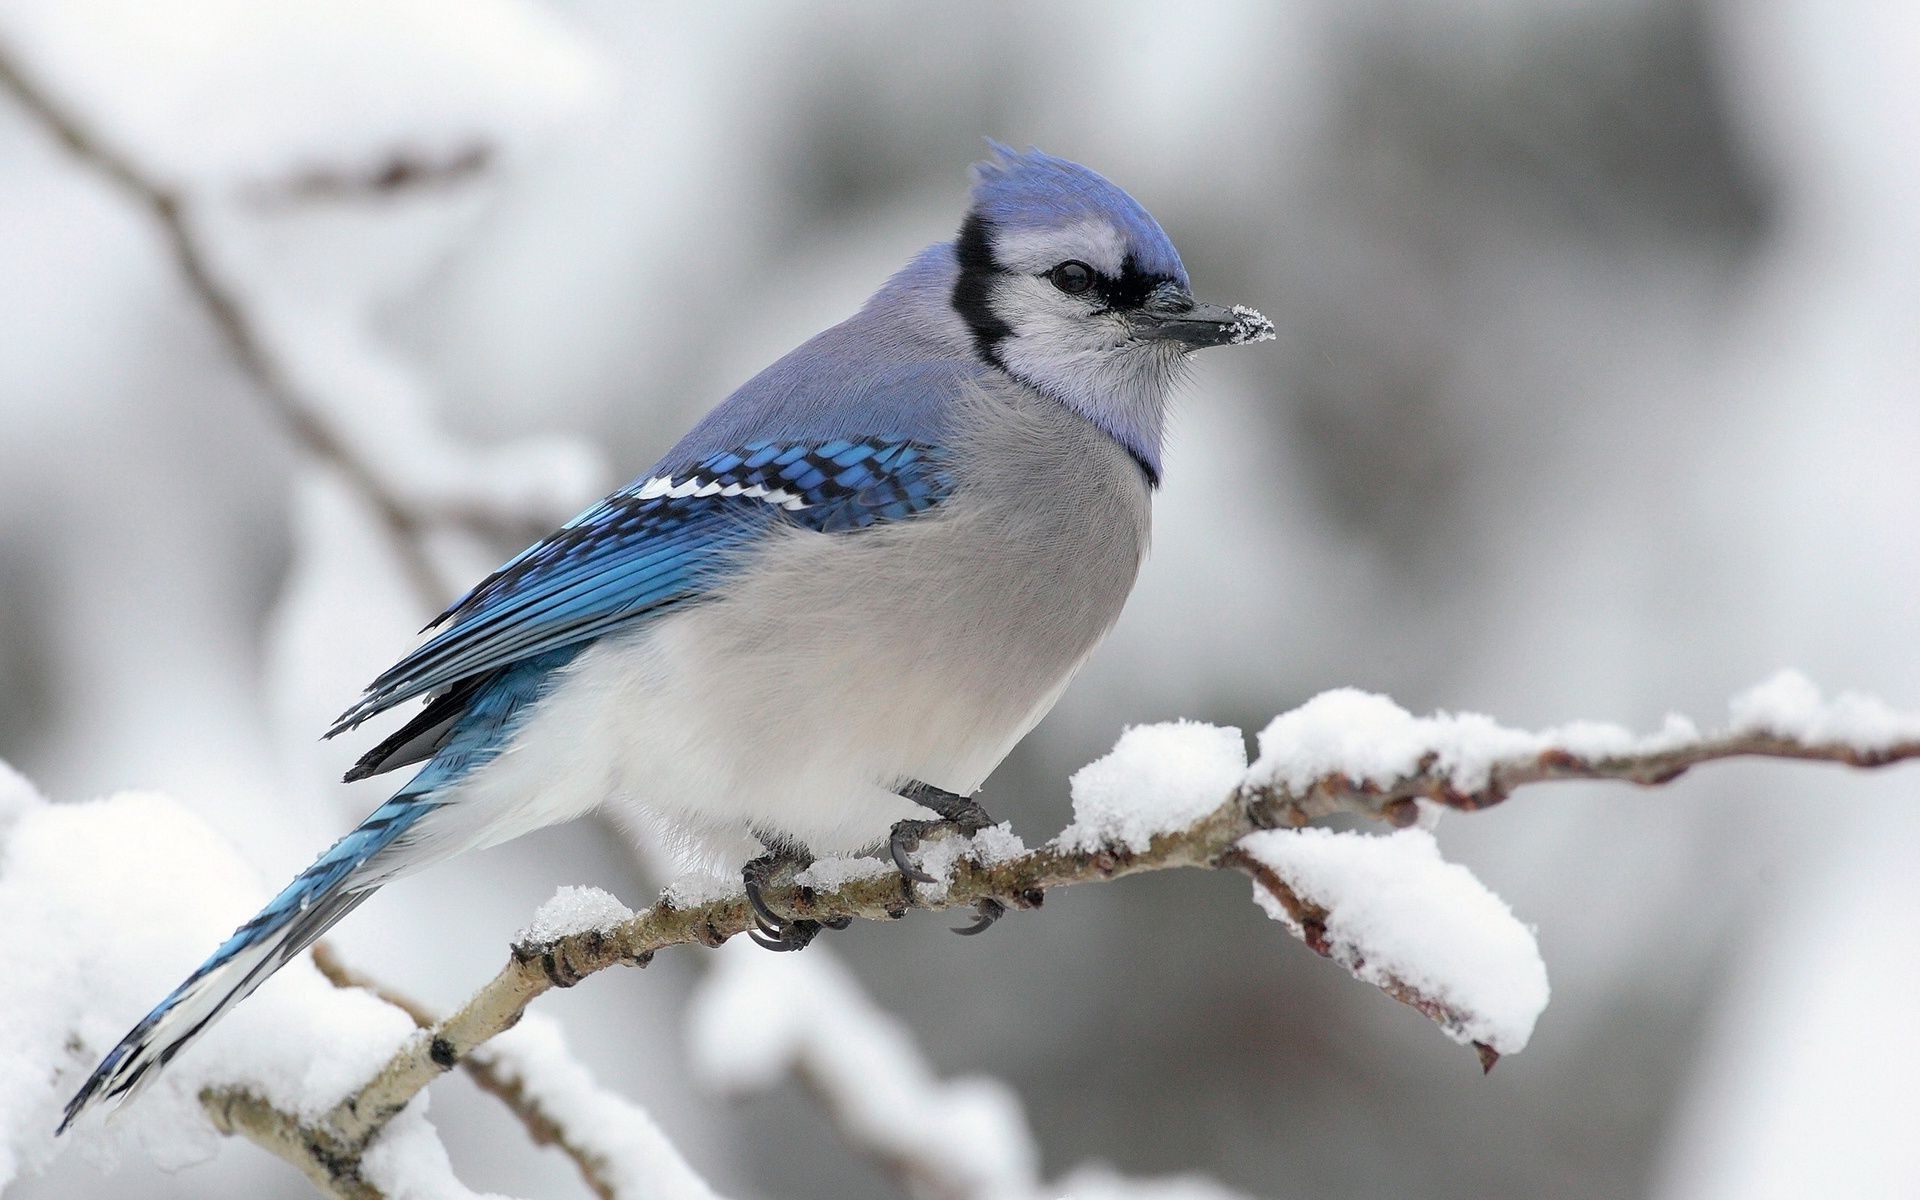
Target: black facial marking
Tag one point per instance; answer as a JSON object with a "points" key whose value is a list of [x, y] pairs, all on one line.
{"points": [[1131, 288], [1146, 468], [973, 289]]}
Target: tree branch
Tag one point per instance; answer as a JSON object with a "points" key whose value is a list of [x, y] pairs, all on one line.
{"points": [[1021, 881], [330, 1166], [542, 1126], [405, 522]]}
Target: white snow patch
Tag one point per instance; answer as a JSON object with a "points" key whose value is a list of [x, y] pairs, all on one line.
{"points": [[1790, 705], [938, 857], [409, 1162], [1397, 910], [997, 844], [1251, 325], [87, 952], [1370, 739], [632, 1154], [830, 874], [696, 888], [1157, 778], [758, 1017], [573, 910]]}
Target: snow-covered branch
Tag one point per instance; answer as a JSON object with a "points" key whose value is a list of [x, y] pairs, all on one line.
{"points": [[613, 1144], [1181, 795], [1386, 908]]}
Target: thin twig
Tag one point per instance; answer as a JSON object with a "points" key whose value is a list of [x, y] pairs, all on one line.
{"points": [[405, 523], [541, 1126], [333, 1168]]}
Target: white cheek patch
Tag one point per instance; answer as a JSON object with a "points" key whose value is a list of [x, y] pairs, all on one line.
{"points": [[693, 485], [1033, 251], [1047, 322]]}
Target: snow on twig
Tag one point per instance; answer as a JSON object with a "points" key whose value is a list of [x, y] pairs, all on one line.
{"points": [[1395, 914], [614, 1144]]}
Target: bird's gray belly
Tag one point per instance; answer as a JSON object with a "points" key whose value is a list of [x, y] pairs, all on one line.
{"points": [[830, 668], [925, 649]]}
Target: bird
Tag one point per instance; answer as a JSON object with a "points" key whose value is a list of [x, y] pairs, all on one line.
{"points": [[823, 617]]}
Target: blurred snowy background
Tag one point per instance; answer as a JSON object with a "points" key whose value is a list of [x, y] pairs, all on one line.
{"points": [[1596, 396]]}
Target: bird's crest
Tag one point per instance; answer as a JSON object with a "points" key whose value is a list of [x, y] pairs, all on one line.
{"points": [[1035, 190]]}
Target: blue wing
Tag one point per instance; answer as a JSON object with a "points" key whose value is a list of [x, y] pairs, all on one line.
{"points": [[654, 545]]}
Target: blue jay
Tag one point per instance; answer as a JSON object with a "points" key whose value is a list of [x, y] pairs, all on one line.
{"points": [[832, 608]]}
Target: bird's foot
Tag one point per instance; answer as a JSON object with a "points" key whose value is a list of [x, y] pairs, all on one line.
{"points": [[957, 812], [960, 813], [963, 811], [904, 840], [986, 912], [772, 930]]}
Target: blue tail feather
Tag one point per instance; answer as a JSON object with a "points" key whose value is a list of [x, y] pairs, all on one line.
{"points": [[386, 843], [322, 894]]}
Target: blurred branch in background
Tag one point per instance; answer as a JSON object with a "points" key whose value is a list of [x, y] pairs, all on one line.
{"points": [[1386, 908], [310, 422], [512, 1083], [759, 1020]]}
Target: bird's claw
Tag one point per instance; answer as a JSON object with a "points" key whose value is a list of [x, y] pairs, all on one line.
{"points": [[987, 910], [793, 935], [772, 930], [904, 840], [962, 813]]}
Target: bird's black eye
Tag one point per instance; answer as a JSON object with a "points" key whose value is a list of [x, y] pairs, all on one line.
{"points": [[1072, 277]]}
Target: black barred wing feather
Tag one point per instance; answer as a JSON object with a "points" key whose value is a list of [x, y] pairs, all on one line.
{"points": [[655, 545]]}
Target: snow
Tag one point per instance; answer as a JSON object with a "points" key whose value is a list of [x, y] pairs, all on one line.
{"points": [[997, 844], [17, 797], [1791, 706], [409, 1162], [1156, 778], [829, 874], [1397, 911], [759, 1017], [695, 888], [573, 910], [630, 1152], [86, 952], [1370, 739], [1251, 326], [937, 856], [234, 93]]}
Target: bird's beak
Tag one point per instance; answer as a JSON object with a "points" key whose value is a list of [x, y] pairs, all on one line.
{"points": [[1170, 315]]}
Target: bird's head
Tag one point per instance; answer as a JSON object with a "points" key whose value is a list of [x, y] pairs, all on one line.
{"points": [[1066, 283]]}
